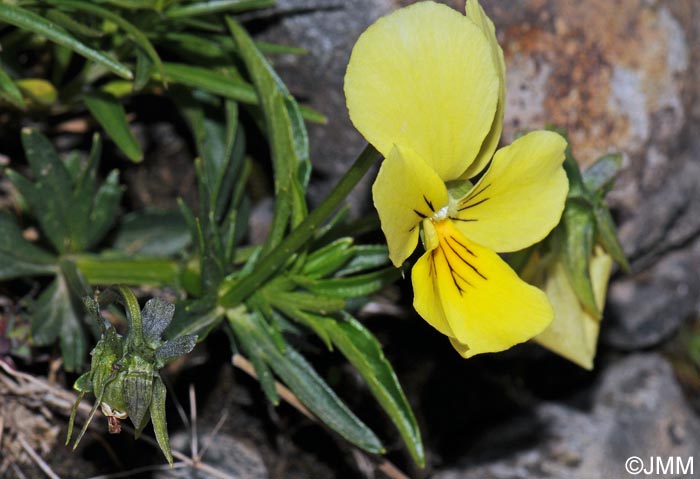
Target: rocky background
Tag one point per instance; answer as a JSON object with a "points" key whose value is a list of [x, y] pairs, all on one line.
{"points": [[621, 77]]}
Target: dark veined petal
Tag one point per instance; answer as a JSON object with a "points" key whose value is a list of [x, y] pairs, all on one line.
{"points": [[467, 290]]}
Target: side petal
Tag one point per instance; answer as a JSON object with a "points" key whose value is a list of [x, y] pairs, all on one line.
{"points": [[487, 306], [423, 77], [405, 192], [520, 199], [476, 14]]}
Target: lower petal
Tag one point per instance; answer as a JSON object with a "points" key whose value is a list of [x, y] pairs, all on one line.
{"points": [[467, 290]]}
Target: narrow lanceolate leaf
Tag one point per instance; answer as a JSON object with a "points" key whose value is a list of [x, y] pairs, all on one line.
{"points": [[216, 6], [236, 318], [109, 112], [19, 257], [287, 134], [366, 257], [8, 89], [363, 350], [308, 386], [328, 259], [28, 20], [211, 81], [352, 286], [136, 35]]}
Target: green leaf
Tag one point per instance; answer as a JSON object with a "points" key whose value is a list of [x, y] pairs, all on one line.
{"points": [[365, 257], [19, 257], [136, 35], [49, 196], [104, 209], [67, 22], [9, 91], [255, 354], [287, 136], [40, 92], [328, 259], [152, 233], [308, 386], [110, 113], [195, 317], [363, 350], [28, 20], [216, 6], [144, 71], [211, 81], [55, 316], [352, 286]]}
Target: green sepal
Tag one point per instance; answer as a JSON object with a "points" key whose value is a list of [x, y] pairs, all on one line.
{"points": [[137, 384], [578, 228], [607, 236], [160, 425], [599, 178]]}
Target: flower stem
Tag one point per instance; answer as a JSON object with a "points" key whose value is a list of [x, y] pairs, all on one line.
{"points": [[232, 293]]}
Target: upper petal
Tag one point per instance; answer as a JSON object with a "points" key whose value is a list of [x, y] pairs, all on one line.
{"points": [[520, 199], [405, 192], [423, 77], [482, 301], [476, 14]]}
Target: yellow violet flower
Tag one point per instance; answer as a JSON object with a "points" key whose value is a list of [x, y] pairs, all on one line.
{"points": [[425, 86], [574, 332]]}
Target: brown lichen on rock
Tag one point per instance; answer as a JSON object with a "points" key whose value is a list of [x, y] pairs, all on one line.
{"points": [[612, 73]]}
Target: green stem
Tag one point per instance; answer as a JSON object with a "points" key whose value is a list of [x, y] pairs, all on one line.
{"points": [[232, 293], [135, 271], [122, 294]]}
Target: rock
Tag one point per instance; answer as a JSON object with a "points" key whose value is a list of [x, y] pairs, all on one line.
{"points": [[638, 410]]}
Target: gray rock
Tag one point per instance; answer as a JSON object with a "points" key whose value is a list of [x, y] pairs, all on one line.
{"points": [[638, 410], [664, 243]]}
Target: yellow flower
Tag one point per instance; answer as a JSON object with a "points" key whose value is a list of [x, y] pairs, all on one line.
{"points": [[574, 332], [425, 86]]}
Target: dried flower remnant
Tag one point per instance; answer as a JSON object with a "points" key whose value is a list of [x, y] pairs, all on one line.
{"points": [[124, 370]]}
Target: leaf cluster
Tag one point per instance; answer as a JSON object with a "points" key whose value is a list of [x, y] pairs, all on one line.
{"points": [[99, 58]]}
